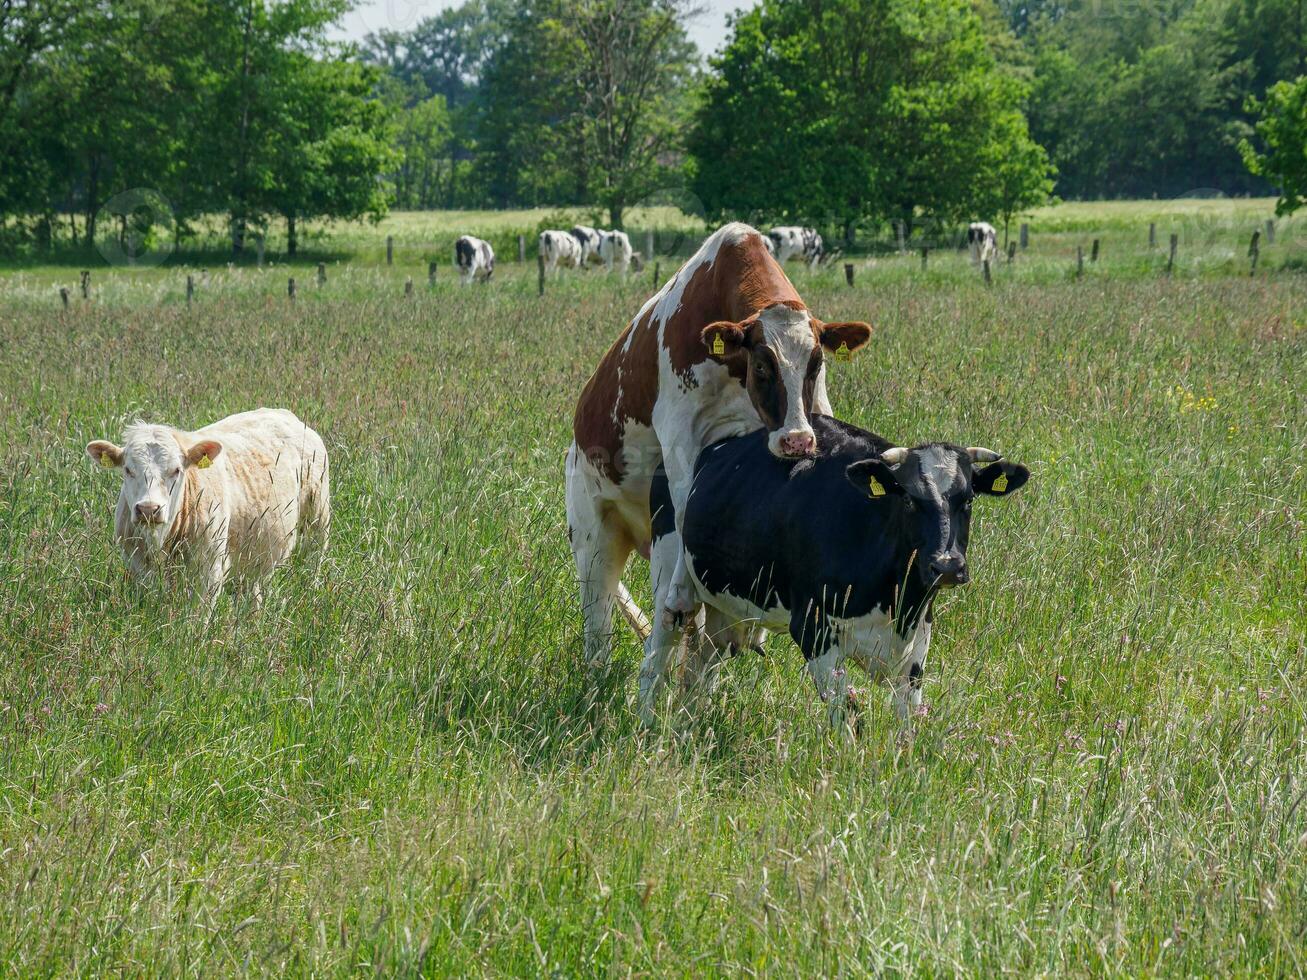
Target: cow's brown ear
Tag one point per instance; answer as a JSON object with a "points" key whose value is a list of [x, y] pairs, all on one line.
{"points": [[723, 339], [203, 453], [851, 335], [105, 453]]}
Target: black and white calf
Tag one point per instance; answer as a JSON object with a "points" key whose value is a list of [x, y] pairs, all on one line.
{"points": [[475, 259], [790, 241], [846, 550], [560, 249], [982, 239]]}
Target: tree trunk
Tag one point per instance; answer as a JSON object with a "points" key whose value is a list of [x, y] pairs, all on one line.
{"points": [[292, 239], [92, 195]]}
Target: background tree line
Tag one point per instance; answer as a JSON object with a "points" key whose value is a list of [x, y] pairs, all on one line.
{"points": [[850, 114]]}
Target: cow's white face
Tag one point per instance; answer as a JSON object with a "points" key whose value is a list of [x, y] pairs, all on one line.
{"points": [[778, 354], [153, 465]]}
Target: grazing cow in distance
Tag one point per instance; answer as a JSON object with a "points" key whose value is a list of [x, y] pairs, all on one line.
{"points": [[791, 241], [615, 250], [560, 249], [475, 258], [726, 345], [588, 238], [982, 239], [234, 498], [846, 551]]}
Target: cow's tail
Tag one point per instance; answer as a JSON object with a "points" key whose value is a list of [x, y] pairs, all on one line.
{"points": [[633, 613]]}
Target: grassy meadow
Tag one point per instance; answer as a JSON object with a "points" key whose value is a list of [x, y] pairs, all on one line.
{"points": [[403, 769]]}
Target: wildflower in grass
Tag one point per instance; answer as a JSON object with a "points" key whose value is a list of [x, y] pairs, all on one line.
{"points": [[101, 708], [1186, 401]]}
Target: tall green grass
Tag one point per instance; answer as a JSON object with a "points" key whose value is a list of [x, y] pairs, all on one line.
{"points": [[405, 769]]}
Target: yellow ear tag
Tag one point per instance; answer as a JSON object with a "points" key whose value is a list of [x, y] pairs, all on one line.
{"points": [[204, 462], [1000, 483], [843, 353], [876, 489], [718, 345], [105, 461]]}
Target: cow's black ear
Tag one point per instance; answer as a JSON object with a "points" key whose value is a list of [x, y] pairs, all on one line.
{"points": [[999, 479], [873, 477]]}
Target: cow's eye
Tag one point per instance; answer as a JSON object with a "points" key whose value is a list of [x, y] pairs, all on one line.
{"points": [[128, 471]]}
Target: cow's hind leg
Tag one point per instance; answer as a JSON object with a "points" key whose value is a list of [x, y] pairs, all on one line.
{"points": [[600, 547]]}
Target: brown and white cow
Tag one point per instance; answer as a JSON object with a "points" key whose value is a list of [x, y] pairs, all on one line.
{"points": [[725, 346]]}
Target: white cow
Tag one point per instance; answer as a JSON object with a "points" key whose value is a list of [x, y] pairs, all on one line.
{"points": [[983, 242], [475, 258], [791, 241], [615, 250], [560, 249], [233, 498]]}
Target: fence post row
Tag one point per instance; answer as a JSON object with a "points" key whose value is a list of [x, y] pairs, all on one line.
{"points": [[1253, 251], [290, 288], [322, 273], [848, 273], [1093, 253], [86, 284], [540, 266], [431, 273], [1025, 235], [1170, 261], [63, 295]]}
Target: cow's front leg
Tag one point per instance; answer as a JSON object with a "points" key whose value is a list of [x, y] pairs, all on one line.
{"points": [[908, 672], [828, 675]]}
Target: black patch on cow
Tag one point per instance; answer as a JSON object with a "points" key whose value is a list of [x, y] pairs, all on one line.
{"points": [[464, 252], [914, 676], [660, 505]]}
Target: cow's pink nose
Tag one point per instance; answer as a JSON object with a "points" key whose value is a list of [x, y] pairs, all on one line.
{"points": [[149, 513], [799, 444]]}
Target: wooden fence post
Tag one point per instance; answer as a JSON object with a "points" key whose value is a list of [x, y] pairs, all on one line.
{"points": [[431, 273], [1011, 252], [1025, 235], [521, 248], [1253, 251], [63, 295], [390, 250], [1080, 260], [1093, 253], [984, 266], [1170, 262], [86, 284], [1270, 231], [190, 288], [657, 269], [649, 245], [1152, 234], [290, 288], [925, 251], [898, 233], [848, 273], [408, 287], [540, 266], [322, 273]]}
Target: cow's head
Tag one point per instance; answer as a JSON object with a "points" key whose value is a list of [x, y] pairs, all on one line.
{"points": [[935, 484], [778, 353], [153, 460]]}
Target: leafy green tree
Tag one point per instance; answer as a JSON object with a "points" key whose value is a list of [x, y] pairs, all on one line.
{"points": [[1282, 133], [855, 110]]}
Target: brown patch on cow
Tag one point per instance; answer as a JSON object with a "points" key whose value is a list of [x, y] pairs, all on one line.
{"points": [[623, 388]]}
